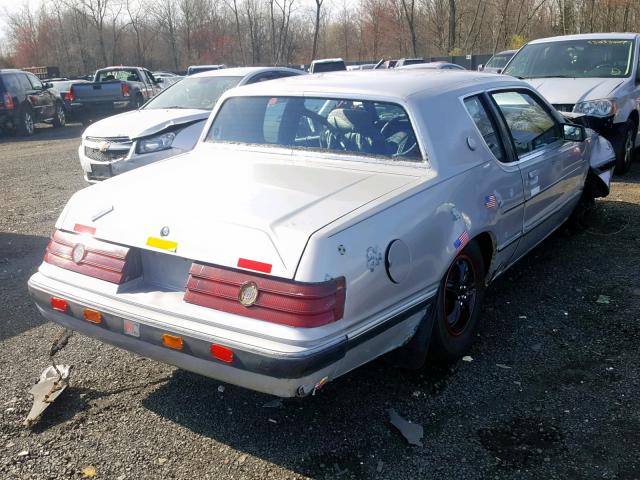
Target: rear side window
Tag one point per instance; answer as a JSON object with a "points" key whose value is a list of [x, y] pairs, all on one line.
{"points": [[486, 126], [11, 83]]}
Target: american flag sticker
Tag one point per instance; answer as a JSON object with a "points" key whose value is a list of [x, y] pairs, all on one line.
{"points": [[461, 241], [490, 201]]}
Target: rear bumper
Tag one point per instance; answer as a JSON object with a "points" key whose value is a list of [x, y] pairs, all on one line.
{"points": [[280, 373], [94, 110]]}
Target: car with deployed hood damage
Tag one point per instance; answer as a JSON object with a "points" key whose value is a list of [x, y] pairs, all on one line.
{"points": [[168, 125], [595, 76], [319, 223]]}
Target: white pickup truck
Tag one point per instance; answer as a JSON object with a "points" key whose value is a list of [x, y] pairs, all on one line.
{"points": [[594, 76]]}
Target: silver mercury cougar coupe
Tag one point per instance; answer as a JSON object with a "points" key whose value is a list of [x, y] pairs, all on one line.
{"points": [[320, 222]]}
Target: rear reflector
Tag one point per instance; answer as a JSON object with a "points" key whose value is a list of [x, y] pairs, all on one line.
{"points": [[253, 265], [92, 316], [84, 229], [222, 353], [105, 261], [277, 300], [172, 341], [59, 304]]}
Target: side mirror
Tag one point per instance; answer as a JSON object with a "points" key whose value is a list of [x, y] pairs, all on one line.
{"points": [[499, 71], [480, 67], [47, 85], [573, 133]]}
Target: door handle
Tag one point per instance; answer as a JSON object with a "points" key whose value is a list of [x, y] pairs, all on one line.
{"points": [[533, 176]]}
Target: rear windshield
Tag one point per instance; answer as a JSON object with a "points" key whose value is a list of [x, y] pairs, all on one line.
{"points": [[328, 67], [499, 60], [355, 127], [124, 75]]}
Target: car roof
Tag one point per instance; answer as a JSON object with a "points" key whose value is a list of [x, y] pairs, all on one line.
{"points": [[387, 83], [587, 36], [429, 66], [242, 71], [327, 60], [121, 67], [505, 52]]}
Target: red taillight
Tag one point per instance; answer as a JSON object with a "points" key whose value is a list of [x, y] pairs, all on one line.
{"points": [[280, 301], [95, 258], [223, 354], [9, 104], [70, 95], [125, 90], [59, 304]]}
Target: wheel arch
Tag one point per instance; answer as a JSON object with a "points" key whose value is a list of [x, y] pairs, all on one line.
{"points": [[635, 118], [487, 243]]}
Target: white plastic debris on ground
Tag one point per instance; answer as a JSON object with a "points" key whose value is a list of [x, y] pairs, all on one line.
{"points": [[53, 381]]}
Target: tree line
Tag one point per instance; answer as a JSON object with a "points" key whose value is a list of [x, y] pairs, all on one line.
{"points": [[82, 35]]}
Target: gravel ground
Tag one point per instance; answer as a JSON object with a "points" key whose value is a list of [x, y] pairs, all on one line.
{"points": [[553, 390]]}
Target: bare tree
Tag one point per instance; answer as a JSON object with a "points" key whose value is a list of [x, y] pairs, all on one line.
{"points": [[316, 30], [96, 11], [409, 9]]}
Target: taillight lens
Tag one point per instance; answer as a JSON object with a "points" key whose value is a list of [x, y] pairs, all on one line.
{"points": [[92, 257], [70, 95], [9, 104], [125, 90], [280, 301]]}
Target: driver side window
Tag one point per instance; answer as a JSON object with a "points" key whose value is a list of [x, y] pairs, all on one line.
{"points": [[530, 125], [35, 82]]}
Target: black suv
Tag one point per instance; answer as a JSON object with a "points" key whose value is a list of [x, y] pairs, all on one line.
{"points": [[25, 101]]}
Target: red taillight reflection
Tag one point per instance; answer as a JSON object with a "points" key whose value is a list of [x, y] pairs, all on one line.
{"points": [[280, 301], [59, 304]]}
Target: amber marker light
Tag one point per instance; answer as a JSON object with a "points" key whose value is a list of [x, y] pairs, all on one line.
{"points": [[92, 316], [172, 341]]}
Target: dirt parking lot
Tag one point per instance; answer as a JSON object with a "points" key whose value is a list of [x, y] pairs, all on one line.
{"points": [[553, 390]]}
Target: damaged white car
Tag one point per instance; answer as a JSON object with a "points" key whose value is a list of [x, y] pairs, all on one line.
{"points": [[319, 223], [166, 126]]}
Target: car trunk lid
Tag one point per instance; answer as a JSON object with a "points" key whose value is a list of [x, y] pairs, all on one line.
{"points": [[221, 206]]}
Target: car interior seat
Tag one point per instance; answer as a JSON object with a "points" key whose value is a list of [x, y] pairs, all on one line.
{"points": [[358, 131]]}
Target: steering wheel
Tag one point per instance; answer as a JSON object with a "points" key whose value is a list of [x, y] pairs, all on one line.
{"points": [[406, 146], [323, 139], [394, 121]]}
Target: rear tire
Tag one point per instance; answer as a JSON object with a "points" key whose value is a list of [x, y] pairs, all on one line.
{"points": [[624, 144], [460, 297], [26, 124], [59, 117]]}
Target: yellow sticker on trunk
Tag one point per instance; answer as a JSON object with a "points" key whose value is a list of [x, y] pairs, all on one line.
{"points": [[162, 244]]}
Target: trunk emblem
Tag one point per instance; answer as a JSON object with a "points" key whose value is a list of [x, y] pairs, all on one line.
{"points": [[78, 253], [164, 232], [248, 294]]}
